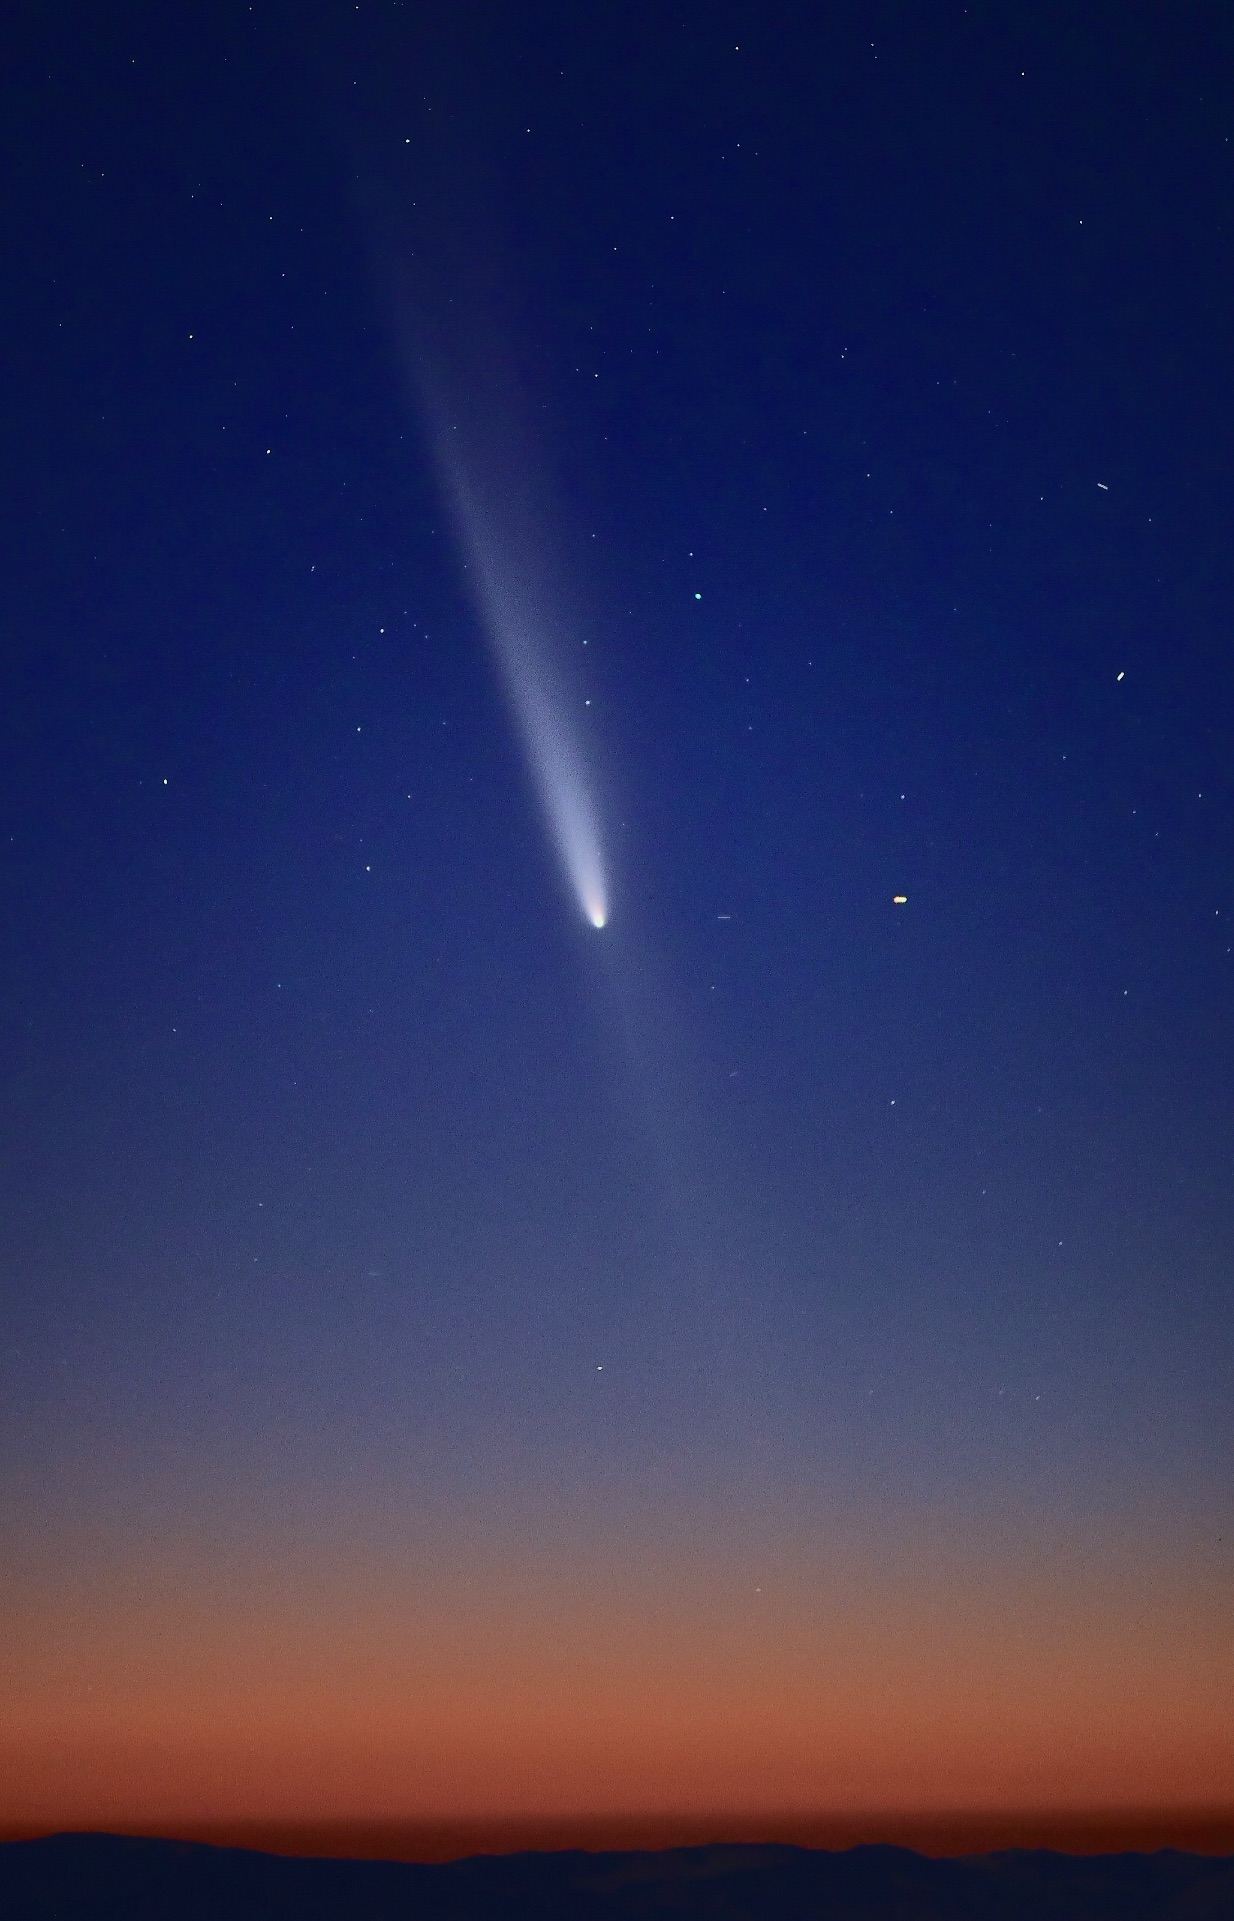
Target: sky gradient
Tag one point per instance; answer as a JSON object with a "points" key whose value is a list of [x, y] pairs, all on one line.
{"points": [[769, 1356]]}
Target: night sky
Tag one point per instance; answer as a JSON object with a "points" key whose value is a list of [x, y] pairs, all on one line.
{"points": [[772, 1353]]}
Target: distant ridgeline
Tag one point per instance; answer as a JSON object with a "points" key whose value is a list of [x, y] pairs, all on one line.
{"points": [[100, 1877]]}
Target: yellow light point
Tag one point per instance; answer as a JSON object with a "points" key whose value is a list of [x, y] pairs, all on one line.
{"points": [[899, 900]]}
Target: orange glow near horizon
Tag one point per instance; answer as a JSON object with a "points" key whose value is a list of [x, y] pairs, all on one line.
{"points": [[562, 1693]]}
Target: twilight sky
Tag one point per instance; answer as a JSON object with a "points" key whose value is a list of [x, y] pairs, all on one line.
{"points": [[772, 1352]]}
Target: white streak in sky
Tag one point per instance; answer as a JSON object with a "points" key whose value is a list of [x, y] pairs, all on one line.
{"points": [[520, 629], [448, 277]]}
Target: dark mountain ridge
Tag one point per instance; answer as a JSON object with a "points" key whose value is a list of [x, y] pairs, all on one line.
{"points": [[102, 1877]]}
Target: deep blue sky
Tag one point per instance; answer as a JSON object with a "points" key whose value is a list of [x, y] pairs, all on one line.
{"points": [[879, 365]]}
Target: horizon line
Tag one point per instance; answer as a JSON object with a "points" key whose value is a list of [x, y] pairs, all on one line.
{"points": [[938, 1834]]}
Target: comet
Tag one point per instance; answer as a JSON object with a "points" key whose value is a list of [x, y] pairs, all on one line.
{"points": [[517, 608], [485, 436]]}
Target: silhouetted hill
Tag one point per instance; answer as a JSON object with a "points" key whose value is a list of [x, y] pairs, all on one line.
{"points": [[100, 1877]]}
